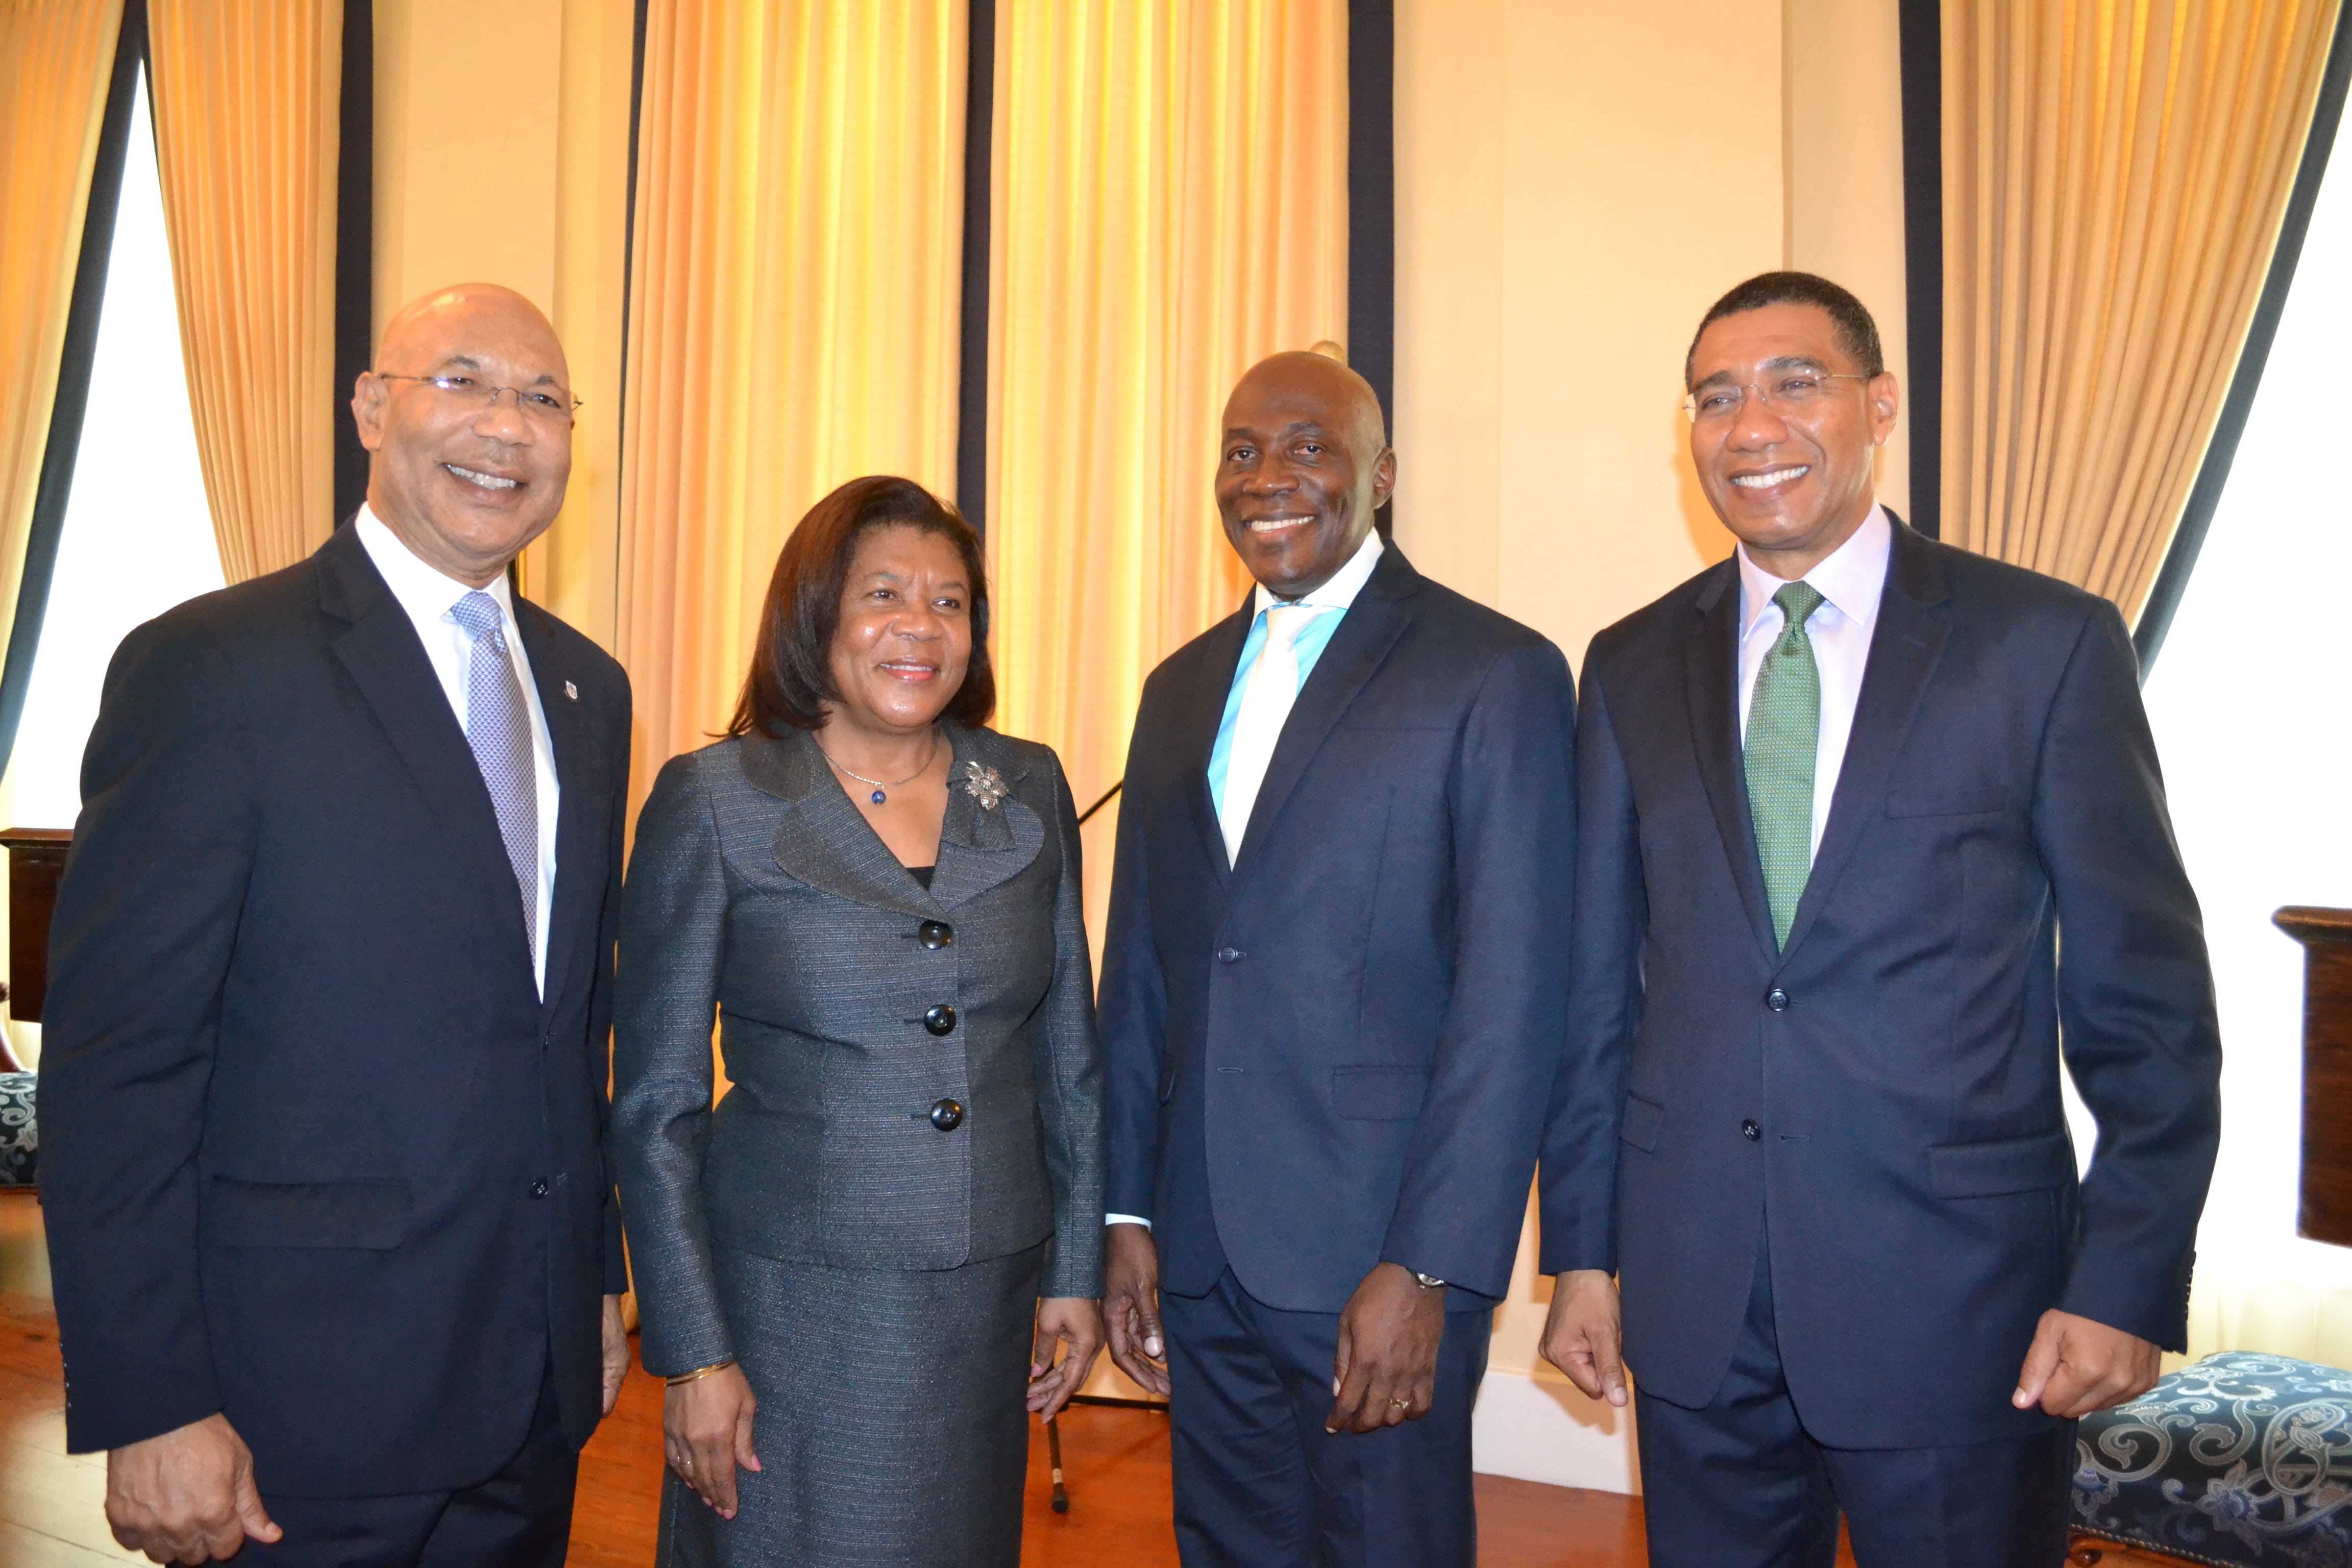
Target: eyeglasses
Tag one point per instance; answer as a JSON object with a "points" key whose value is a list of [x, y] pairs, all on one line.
{"points": [[539, 406], [1794, 391]]}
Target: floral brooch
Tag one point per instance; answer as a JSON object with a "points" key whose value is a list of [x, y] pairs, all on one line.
{"points": [[985, 783]]}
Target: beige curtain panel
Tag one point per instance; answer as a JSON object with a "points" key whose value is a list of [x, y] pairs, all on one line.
{"points": [[2116, 173], [56, 57], [794, 315], [245, 100], [1170, 206]]}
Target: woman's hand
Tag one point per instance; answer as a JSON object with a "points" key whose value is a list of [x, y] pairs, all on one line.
{"points": [[707, 1432], [1076, 1323]]}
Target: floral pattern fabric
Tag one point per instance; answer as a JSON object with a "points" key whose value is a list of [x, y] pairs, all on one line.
{"points": [[20, 1139], [2243, 1458]]}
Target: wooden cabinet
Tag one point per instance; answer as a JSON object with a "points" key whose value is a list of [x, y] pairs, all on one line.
{"points": [[2325, 1211]]}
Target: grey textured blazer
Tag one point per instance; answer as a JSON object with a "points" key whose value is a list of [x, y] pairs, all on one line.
{"points": [[757, 891]]}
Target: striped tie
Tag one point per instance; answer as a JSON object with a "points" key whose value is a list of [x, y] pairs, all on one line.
{"points": [[1784, 733], [497, 726]]}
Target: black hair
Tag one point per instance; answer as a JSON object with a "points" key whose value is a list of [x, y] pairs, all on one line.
{"points": [[1857, 333]]}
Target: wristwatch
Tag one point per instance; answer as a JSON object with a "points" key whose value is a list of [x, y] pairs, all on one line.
{"points": [[1429, 1281]]}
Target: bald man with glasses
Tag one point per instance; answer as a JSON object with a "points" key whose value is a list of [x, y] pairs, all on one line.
{"points": [[338, 1270]]}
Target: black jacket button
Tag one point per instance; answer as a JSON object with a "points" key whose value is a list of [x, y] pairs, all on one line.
{"points": [[1749, 1130], [940, 1020], [935, 934], [539, 1188], [1230, 955], [1777, 999], [947, 1115]]}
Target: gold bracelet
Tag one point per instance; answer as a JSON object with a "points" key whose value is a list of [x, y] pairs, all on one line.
{"points": [[700, 1372]]}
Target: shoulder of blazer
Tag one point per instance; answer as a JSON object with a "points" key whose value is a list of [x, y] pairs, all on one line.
{"points": [[1666, 617], [1461, 623], [251, 621]]}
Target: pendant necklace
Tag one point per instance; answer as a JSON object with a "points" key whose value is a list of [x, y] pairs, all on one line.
{"points": [[880, 786]]}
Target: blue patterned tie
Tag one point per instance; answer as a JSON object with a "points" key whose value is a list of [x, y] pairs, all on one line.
{"points": [[497, 726]]}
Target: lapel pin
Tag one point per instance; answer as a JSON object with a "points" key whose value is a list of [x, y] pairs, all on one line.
{"points": [[984, 784], [571, 691]]}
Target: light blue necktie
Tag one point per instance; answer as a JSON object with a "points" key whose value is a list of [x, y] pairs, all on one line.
{"points": [[497, 726]]}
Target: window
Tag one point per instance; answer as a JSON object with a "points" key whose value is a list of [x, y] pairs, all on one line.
{"points": [[138, 536], [2252, 704]]}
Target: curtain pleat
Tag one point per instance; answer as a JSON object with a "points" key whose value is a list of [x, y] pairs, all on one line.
{"points": [[56, 57], [246, 140], [2115, 176], [793, 316], [1170, 205]]}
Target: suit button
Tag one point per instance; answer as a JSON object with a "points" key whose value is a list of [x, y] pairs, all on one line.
{"points": [[940, 1020], [947, 1115], [1749, 1130], [1230, 955], [539, 1188], [935, 934], [1777, 999]]}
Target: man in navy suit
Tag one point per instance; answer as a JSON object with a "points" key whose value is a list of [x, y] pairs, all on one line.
{"points": [[1871, 829], [1330, 1008], [337, 1266]]}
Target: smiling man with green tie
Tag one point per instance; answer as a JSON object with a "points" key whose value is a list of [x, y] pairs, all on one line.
{"points": [[1841, 798]]}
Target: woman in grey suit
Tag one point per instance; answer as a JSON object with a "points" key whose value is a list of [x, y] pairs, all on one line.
{"points": [[854, 1269]]}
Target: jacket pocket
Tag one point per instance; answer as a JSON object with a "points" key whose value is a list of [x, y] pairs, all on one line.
{"points": [[1378, 1094], [1960, 802], [371, 1215], [1643, 1120], [2000, 1165]]}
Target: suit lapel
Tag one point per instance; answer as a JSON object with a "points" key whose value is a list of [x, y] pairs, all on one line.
{"points": [[1904, 648], [981, 847], [1711, 681], [1370, 627], [576, 774], [389, 664], [1202, 714], [824, 840]]}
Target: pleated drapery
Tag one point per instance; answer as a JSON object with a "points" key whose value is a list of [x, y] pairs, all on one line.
{"points": [[794, 316], [245, 138], [1170, 204], [56, 57], [2116, 173]]}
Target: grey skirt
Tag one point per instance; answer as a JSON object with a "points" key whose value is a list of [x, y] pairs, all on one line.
{"points": [[891, 1428]]}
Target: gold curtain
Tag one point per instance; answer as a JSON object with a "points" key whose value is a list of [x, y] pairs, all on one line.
{"points": [[56, 57], [245, 99], [2115, 176], [793, 316], [1170, 205]]}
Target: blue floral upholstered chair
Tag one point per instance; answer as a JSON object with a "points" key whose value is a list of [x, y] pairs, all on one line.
{"points": [[20, 1139], [2241, 1458]]}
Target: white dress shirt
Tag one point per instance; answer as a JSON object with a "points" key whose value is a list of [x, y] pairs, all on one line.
{"points": [[429, 596], [1338, 596], [1849, 584]]}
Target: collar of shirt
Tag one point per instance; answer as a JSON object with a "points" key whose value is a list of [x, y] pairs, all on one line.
{"points": [[425, 591], [1851, 580], [1342, 590]]}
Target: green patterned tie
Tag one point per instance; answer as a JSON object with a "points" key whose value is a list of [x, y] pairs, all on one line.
{"points": [[1784, 733]]}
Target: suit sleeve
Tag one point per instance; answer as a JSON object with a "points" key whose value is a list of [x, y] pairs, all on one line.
{"points": [[1577, 1189], [145, 923], [1473, 1151], [600, 1004], [665, 1004], [2135, 993], [1069, 1076], [1134, 996]]}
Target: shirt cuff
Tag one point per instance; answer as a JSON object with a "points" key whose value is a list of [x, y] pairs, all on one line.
{"points": [[1127, 1219]]}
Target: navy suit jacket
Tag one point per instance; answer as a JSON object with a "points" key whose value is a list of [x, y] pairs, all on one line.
{"points": [[1335, 1053], [1884, 1096], [314, 1154]]}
